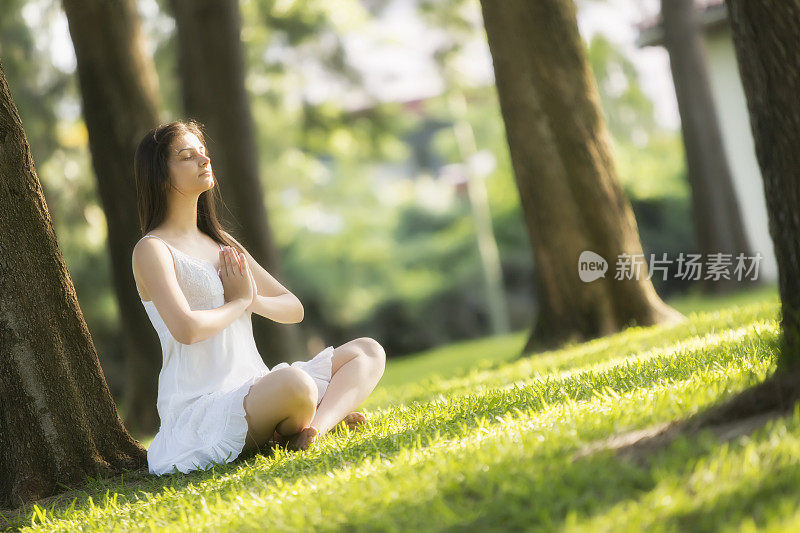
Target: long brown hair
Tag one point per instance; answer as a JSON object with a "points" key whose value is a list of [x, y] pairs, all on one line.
{"points": [[151, 170]]}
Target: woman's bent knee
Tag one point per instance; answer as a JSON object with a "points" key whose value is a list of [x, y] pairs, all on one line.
{"points": [[283, 393], [374, 351], [284, 399], [371, 347], [299, 387]]}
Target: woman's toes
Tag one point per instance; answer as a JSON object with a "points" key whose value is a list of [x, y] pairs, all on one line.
{"points": [[354, 420], [277, 437], [302, 440]]}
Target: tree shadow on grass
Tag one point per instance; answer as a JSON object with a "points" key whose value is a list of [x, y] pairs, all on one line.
{"points": [[422, 427], [420, 430], [749, 499], [129, 484], [563, 486], [534, 498], [738, 415]]}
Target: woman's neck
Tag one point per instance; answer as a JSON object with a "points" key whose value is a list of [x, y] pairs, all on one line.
{"points": [[181, 217]]}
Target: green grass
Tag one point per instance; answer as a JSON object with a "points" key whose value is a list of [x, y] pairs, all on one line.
{"points": [[697, 302], [472, 437]]}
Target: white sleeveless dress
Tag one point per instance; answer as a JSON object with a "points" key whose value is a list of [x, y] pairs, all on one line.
{"points": [[201, 386]]}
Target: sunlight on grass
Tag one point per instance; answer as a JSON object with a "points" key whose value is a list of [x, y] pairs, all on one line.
{"points": [[490, 445]]}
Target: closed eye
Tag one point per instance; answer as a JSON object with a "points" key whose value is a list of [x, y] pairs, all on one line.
{"points": [[193, 153]]}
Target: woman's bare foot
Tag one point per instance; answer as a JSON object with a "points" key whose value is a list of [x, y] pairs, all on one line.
{"points": [[302, 440], [352, 421]]}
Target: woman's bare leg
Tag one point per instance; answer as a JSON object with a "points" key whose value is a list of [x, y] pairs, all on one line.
{"points": [[357, 366], [284, 400]]}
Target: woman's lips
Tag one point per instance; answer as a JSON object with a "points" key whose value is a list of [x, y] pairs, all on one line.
{"points": [[206, 172]]}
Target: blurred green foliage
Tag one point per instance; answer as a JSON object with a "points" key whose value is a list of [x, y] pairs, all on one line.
{"points": [[373, 240]]}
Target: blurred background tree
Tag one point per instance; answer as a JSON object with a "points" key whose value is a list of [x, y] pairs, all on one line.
{"points": [[718, 225], [370, 219]]}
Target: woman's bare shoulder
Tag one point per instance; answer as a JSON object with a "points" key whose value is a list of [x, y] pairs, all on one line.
{"points": [[148, 251], [153, 265]]}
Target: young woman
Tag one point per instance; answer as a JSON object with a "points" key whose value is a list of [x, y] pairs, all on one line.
{"points": [[200, 287]]}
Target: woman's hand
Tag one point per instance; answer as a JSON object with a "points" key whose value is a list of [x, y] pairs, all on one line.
{"points": [[237, 280], [255, 285]]}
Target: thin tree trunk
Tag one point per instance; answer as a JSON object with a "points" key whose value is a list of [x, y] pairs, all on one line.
{"points": [[119, 93], [766, 36], [481, 217], [58, 421], [571, 198], [211, 63], [717, 218]]}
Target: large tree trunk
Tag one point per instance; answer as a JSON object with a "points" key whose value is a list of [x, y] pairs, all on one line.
{"points": [[766, 36], [58, 421], [560, 150], [717, 219], [119, 92], [211, 63]]}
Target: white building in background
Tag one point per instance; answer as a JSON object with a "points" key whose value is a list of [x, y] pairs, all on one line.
{"points": [[734, 121]]}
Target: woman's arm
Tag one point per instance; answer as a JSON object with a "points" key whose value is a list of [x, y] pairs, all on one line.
{"points": [[285, 309], [273, 301], [206, 323], [153, 266]]}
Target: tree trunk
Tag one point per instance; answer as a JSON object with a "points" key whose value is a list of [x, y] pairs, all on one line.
{"points": [[119, 93], [211, 63], [717, 219], [58, 421], [766, 36], [570, 195]]}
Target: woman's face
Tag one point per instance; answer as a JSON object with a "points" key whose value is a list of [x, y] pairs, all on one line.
{"points": [[189, 167]]}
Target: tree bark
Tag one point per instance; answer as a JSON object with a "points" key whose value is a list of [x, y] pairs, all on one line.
{"points": [[119, 93], [58, 421], [717, 219], [766, 36], [570, 195], [212, 69]]}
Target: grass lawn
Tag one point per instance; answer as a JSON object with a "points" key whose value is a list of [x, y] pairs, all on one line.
{"points": [[470, 436]]}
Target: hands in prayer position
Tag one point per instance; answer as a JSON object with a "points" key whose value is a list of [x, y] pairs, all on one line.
{"points": [[237, 278]]}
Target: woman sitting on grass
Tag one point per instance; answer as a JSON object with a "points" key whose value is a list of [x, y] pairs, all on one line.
{"points": [[199, 286]]}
